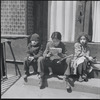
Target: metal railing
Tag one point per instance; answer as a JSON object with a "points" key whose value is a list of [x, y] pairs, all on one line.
{"points": [[3, 67]]}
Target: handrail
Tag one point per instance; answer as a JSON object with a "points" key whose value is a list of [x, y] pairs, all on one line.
{"points": [[5, 36]]}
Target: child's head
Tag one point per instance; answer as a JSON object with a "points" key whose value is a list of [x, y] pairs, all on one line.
{"points": [[83, 38], [34, 39], [56, 38]]}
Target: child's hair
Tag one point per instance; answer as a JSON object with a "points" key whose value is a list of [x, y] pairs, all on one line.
{"points": [[34, 37], [85, 35], [56, 35]]}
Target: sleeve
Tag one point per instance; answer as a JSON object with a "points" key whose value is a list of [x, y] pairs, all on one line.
{"points": [[46, 51], [88, 53], [64, 51], [77, 48], [40, 53], [29, 49]]}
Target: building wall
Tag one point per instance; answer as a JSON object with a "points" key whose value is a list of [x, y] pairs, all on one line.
{"points": [[13, 17], [83, 18]]}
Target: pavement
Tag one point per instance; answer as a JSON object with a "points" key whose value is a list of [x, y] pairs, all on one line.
{"points": [[21, 91]]}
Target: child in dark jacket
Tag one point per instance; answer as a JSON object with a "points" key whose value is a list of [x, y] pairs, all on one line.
{"points": [[35, 50]]}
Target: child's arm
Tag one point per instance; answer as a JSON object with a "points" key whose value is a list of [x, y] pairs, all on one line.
{"points": [[29, 49], [29, 53], [46, 51], [64, 51], [88, 54], [40, 53], [78, 49]]}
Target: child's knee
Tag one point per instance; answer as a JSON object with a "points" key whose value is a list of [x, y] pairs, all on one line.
{"points": [[25, 59], [40, 59], [68, 60]]}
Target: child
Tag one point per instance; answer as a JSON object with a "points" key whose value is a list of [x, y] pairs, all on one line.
{"points": [[48, 57], [80, 61], [35, 50]]}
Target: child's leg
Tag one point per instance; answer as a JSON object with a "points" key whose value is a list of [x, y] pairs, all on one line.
{"points": [[68, 66], [79, 70], [65, 78], [67, 72], [41, 61], [84, 67], [50, 71], [34, 65], [49, 64], [26, 68]]}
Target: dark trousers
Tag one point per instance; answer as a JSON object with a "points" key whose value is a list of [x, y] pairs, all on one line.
{"points": [[43, 62], [28, 63], [68, 67]]}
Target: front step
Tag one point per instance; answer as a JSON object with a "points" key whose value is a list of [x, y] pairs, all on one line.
{"points": [[92, 86]]}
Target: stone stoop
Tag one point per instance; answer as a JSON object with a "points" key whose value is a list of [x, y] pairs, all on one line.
{"points": [[92, 86]]}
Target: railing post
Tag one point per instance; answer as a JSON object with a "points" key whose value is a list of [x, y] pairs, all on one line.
{"points": [[1, 62], [16, 66], [4, 55]]}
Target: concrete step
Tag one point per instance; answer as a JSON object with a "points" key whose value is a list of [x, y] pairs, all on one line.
{"points": [[92, 86], [11, 70]]}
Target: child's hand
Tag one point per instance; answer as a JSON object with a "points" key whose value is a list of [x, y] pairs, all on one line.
{"points": [[49, 54], [90, 58], [31, 58]]}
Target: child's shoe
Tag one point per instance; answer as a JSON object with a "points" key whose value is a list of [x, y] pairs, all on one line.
{"points": [[67, 85], [25, 78], [50, 71], [35, 72], [90, 69], [85, 77], [65, 78], [41, 83], [80, 79], [27, 73], [38, 76]]}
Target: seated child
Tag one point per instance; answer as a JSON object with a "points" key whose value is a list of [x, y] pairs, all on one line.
{"points": [[55, 50], [81, 58], [35, 50]]}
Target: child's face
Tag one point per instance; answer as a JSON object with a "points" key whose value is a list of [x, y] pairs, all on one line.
{"points": [[83, 40], [56, 42], [34, 42]]}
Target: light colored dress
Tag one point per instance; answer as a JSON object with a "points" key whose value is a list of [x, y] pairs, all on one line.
{"points": [[81, 54]]}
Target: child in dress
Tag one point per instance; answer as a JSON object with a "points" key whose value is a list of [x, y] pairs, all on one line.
{"points": [[35, 50], [81, 58]]}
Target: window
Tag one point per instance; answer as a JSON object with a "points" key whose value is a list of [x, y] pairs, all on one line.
{"points": [[13, 18]]}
